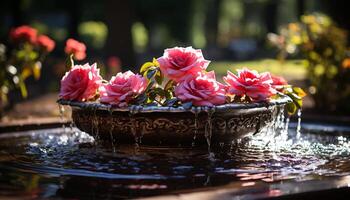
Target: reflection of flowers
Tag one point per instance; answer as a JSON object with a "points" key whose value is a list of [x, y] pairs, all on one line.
{"points": [[76, 48], [45, 43], [202, 90], [179, 63], [24, 34], [81, 83], [250, 83], [122, 88]]}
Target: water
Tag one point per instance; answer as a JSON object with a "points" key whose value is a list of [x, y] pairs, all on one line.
{"points": [[67, 163]]}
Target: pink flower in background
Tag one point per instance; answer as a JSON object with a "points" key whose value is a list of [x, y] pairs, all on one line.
{"points": [[201, 90], [45, 43], [180, 63], [250, 83], [122, 88], [23, 34], [81, 83], [76, 48], [114, 62]]}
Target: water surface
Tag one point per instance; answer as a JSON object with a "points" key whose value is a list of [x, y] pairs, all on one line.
{"points": [[66, 163]]}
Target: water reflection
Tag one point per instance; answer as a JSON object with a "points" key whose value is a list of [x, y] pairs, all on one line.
{"points": [[70, 164]]}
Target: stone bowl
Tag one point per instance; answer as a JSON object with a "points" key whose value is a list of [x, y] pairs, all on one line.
{"points": [[174, 126]]}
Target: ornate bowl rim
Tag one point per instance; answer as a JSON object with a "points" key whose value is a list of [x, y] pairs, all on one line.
{"points": [[180, 109]]}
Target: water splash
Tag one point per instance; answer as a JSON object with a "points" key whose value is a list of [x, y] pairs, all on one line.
{"points": [[298, 125], [62, 110]]}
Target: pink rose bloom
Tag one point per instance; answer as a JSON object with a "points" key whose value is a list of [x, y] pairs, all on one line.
{"points": [[46, 43], [81, 83], [23, 34], [201, 90], [278, 82], [122, 88], [78, 49], [179, 63], [250, 83]]}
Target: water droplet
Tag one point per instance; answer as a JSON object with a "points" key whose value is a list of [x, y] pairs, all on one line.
{"points": [[195, 127], [133, 124], [209, 126], [298, 125], [111, 130]]}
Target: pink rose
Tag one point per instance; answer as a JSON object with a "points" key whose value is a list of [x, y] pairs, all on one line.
{"points": [[78, 49], [202, 90], [81, 83], [278, 82], [250, 83], [24, 34], [122, 88], [46, 43], [179, 63]]}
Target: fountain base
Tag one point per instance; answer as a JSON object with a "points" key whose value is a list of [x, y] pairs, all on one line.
{"points": [[169, 126]]}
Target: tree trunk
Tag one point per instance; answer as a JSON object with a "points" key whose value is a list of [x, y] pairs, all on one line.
{"points": [[119, 40], [212, 22], [270, 16]]}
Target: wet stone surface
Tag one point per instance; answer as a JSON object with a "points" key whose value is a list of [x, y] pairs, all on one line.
{"points": [[67, 163]]}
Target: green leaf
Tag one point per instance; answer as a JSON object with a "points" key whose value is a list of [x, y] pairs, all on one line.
{"points": [[291, 108], [150, 73], [159, 77], [36, 70], [23, 89], [168, 94], [159, 91], [169, 85], [152, 95], [300, 92], [187, 105], [298, 103], [33, 55], [294, 96], [146, 66], [150, 85], [155, 62]]}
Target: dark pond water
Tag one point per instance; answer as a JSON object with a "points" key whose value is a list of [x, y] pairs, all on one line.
{"points": [[66, 163]]}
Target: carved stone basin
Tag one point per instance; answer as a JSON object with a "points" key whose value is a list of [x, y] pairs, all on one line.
{"points": [[170, 126]]}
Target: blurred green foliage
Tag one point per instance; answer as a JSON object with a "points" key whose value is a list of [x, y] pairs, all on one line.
{"points": [[18, 62], [139, 36], [292, 69], [94, 33], [324, 46]]}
